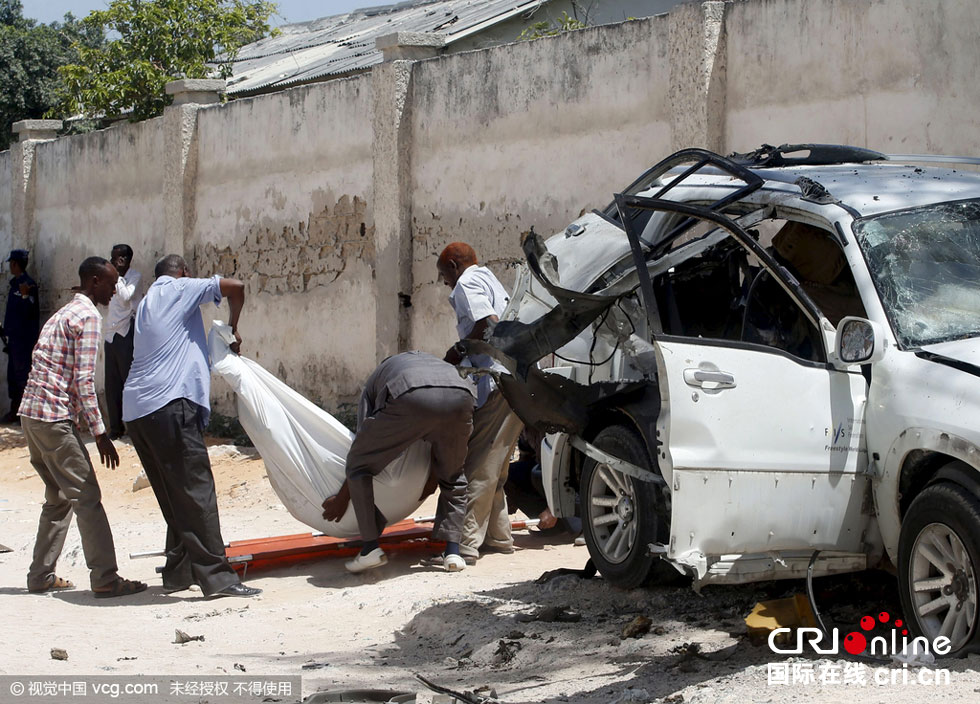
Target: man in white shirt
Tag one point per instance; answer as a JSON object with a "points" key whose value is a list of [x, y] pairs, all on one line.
{"points": [[478, 299], [118, 335]]}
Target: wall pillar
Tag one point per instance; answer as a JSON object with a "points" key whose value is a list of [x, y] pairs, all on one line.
{"points": [[698, 75], [392, 185], [29, 133], [180, 168]]}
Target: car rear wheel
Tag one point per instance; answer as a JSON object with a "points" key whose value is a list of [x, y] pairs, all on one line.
{"points": [[618, 516], [939, 565]]}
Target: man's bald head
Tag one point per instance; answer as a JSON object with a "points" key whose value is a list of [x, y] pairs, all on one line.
{"points": [[453, 261]]}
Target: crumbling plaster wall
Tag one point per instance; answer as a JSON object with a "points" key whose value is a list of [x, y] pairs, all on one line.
{"points": [[93, 191], [283, 202], [6, 210], [529, 134], [332, 199], [895, 75]]}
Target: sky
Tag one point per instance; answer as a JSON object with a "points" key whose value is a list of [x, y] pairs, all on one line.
{"points": [[289, 10]]}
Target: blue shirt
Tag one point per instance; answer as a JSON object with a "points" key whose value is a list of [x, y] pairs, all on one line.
{"points": [[170, 349]]}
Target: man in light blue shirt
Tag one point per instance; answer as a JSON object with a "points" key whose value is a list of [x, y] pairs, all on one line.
{"points": [[166, 405]]}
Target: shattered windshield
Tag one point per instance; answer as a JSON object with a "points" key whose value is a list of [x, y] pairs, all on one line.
{"points": [[926, 266]]}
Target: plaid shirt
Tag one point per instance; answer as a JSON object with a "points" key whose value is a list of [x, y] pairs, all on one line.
{"points": [[62, 379]]}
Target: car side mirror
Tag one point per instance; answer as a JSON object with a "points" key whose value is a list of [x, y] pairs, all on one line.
{"points": [[859, 341]]}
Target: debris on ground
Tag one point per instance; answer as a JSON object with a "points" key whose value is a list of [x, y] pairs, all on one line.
{"points": [[639, 626], [313, 665], [633, 696], [506, 650], [550, 614], [141, 481], [180, 638], [480, 695], [587, 572], [767, 616], [239, 667], [59, 654]]}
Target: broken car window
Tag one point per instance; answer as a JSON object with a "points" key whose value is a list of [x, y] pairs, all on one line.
{"points": [[723, 292], [925, 264]]}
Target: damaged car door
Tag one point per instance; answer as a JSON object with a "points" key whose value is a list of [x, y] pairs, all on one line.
{"points": [[762, 436]]}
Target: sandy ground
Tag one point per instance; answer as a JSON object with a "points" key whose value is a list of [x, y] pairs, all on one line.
{"points": [[464, 631]]}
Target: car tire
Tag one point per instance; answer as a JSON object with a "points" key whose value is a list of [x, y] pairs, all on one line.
{"points": [[618, 516], [939, 565]]}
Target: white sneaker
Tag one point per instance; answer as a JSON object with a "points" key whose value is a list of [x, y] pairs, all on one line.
{"points": [[362, 563], [453, 563]]}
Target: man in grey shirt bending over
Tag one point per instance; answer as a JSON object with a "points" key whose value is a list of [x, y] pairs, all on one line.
{"points": [[410, 396]]}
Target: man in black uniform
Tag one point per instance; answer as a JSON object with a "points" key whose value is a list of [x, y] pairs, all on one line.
{"points": [[21, 326]]}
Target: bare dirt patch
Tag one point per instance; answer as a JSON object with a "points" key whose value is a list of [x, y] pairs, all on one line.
{"points": [[489, 625]]}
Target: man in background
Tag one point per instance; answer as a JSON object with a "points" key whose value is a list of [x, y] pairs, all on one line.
{"points": [[166, 405], [118, 334], [21, 324], [62, 381], [478, 299]]}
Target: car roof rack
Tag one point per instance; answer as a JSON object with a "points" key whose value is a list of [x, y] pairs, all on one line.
{"points": [[932, 159], [815, 155], [695, 160]]}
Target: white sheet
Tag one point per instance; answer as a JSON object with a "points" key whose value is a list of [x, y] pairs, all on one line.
{"points": [[305, 448]]}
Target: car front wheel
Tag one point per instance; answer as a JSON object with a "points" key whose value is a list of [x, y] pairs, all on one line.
{"points": [[618, 516], [939, 565]]}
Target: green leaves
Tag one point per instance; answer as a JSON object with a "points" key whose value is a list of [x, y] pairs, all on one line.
{"points": [[154, 42], [565, 23], [30, 54]]}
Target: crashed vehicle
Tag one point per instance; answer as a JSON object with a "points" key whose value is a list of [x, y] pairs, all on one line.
{"points": [[755, 366]]}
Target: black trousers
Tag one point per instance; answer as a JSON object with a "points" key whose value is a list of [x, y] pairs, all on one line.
{"points": [[18, 368], [118, 359], [171, 447]]}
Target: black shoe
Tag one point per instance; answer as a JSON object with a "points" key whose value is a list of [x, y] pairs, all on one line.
{"points": [[171, 588], [238, 589]]}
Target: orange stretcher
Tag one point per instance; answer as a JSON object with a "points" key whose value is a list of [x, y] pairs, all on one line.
{"points": [[269, 552], [258, 553]]}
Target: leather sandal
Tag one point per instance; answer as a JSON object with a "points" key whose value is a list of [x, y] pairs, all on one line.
{"points": [[54, 584], [119, 587]]}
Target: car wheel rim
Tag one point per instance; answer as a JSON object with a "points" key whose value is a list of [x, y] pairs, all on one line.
{"points": [[944, 585], [612, 503]]}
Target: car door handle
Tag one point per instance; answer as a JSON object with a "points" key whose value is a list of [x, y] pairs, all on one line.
{"points": [[709, 379]]}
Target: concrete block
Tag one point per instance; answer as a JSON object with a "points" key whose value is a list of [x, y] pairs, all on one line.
{"points": [[36, 129], [409, 45], [200, 91]]}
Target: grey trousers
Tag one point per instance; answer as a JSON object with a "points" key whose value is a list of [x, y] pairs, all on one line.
{"points": [[496, 429], [171, 447], [70, 487], [440, 415]]}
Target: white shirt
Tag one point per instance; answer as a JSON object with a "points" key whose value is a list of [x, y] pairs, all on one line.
{"points": [[477, 295], [122, 306]]}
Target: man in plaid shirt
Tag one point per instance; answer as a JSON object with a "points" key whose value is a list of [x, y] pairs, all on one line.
{"points": [[60, 386]]}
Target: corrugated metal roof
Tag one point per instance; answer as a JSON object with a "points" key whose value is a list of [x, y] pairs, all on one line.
{"points": [[340, 44]]}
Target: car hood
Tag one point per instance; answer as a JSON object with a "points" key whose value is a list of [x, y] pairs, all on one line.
{"points": [[960, 354], [583, 257]]}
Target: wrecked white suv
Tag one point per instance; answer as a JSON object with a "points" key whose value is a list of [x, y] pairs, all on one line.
{"points": [[755, 365]]}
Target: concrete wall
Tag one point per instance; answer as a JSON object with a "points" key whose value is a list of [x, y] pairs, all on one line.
{"points": [[529, 135], [283, 201], [6, 215], [895, 75], [94, 191], [333, 200]]}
